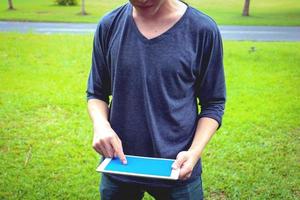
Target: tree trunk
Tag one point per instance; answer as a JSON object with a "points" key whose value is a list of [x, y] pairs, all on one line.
{"points": [[10, 5], [246, 8], [83, 12]]}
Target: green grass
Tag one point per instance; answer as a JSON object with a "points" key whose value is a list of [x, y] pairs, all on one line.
{"points": [[267, 12], [46, 135]]}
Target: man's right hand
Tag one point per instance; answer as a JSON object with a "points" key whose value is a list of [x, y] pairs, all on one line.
{"points": [[107, 143]]}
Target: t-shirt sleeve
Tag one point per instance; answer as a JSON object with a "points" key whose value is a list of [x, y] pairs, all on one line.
{"points": [[98, 86], [211, 89]]}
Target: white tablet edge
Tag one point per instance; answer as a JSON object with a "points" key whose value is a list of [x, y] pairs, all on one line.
{"points": [[104, 163], [150, 157], [174, 172]]}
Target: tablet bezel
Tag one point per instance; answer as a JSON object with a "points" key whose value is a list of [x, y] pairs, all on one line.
{"points": [[174, 173]]}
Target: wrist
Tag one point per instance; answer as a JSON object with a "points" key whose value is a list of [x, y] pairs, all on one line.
{"points": [[101, 124], [196, 153]]}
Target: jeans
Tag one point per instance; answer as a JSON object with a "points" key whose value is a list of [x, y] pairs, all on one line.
{"points": [[114, 190]]}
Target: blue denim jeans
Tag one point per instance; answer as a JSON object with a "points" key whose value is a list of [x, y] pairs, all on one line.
{"points": [[114, 190]]}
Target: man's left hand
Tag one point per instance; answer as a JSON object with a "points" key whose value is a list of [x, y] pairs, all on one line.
{"points": [[185, 160]]}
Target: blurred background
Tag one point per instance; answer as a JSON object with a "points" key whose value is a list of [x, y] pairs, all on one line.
{"points": [[45, 133]]}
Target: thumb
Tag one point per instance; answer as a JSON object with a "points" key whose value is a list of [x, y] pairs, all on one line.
{"points": [[180, 159]]}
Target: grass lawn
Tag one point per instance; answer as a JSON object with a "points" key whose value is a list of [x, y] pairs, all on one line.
{"points": [[45, 133], [267, 12]]}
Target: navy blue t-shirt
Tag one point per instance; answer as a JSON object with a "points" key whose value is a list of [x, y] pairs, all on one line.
{"points": [[155, 83]]}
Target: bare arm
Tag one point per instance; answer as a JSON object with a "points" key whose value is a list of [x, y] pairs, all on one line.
{"points": [[105, 141], [186, 160], [206, 128], [98, 111]]}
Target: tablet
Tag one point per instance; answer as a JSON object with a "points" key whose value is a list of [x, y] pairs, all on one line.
{"points": [[140, 166]]}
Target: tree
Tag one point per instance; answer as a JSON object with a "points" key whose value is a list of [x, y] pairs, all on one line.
{"points": [[246, 8], [10, 5], [83, 12]]}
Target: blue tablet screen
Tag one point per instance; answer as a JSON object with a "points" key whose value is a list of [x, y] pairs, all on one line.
{"points": [[139, 165]]}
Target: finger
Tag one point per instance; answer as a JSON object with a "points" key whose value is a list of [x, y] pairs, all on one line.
{"points": [[117, 146], [109, 150], [120, 152], [185, 171], [103, 150], [97, 148], [181, 158], [187, 176]]}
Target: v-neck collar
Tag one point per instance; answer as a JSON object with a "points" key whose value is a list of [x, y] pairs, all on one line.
{"points": [[159, 37]]}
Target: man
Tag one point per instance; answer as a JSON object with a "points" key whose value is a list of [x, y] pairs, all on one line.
{"points": [[156, 57]]}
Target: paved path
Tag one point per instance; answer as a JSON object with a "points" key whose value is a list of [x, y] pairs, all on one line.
{"points": [[255, 33]]}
